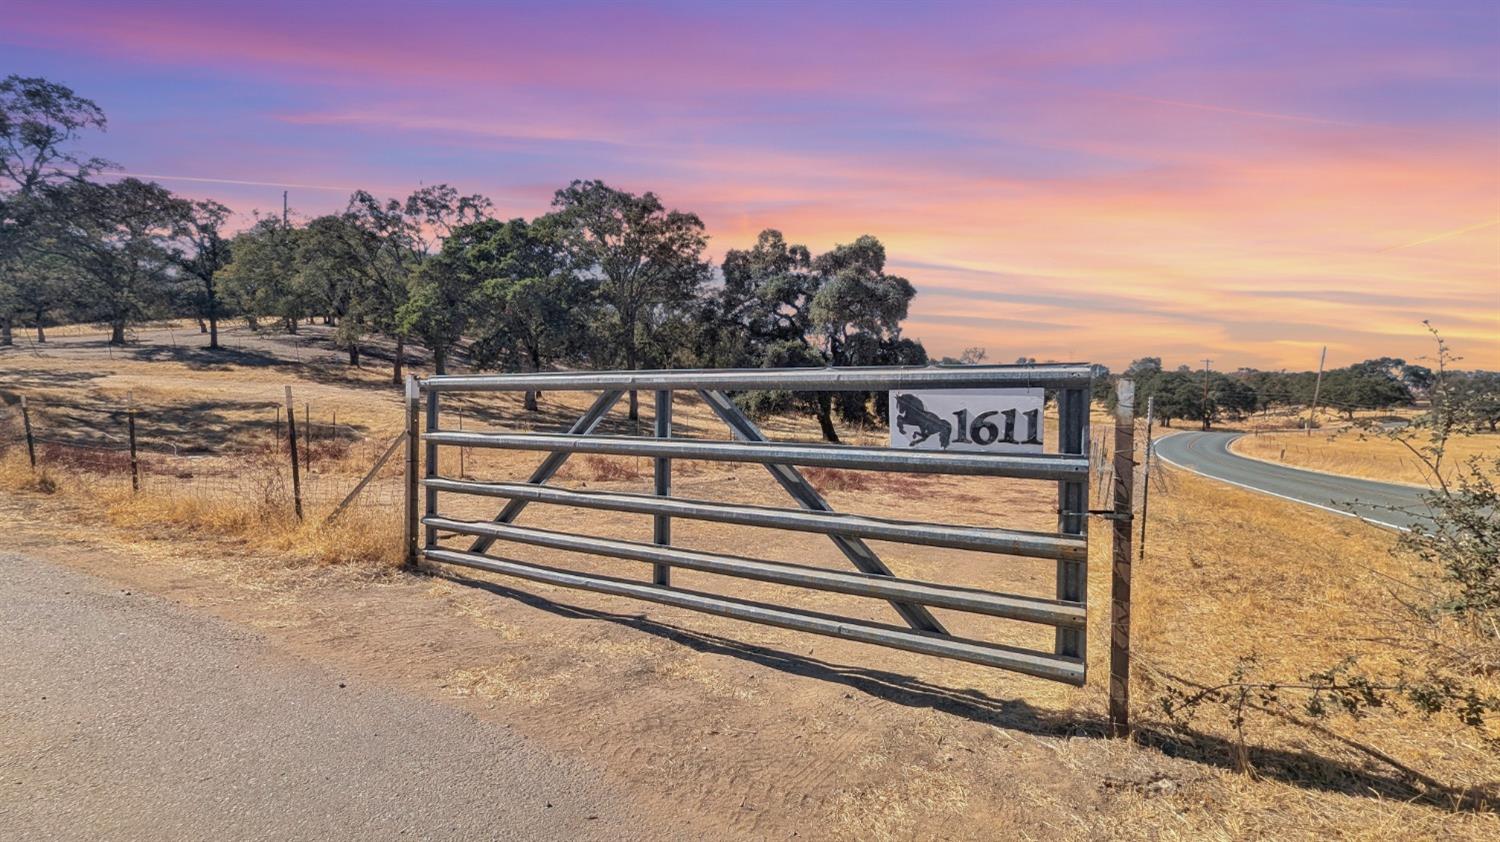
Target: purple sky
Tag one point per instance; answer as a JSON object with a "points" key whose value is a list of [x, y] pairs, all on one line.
{"points": [[1246, 181]]}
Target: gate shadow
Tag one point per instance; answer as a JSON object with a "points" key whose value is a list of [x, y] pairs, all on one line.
{"points": [[1298, 768]]}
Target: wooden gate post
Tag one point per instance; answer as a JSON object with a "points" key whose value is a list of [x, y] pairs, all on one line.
{"points": [[1119, 590], [413, 436]]}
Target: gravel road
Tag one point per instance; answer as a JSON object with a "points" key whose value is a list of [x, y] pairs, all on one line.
{"points": [[123, 716], [1379, 502]]}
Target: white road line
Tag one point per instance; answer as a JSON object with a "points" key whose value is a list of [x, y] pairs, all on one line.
{"points": [[1343, 512]]}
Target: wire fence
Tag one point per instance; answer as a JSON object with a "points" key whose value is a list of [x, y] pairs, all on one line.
{"points": [[244, 460]]}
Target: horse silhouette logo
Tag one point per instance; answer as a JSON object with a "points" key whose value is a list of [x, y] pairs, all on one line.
{"points": [[912, 413]]}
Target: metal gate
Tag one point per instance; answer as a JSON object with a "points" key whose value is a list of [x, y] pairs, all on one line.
{"points": [[919, 631]]}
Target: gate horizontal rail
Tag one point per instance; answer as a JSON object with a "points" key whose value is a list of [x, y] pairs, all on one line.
{"points": [[853, 379], [1048, 466], [1066, 614], [1029, 609], [1040, 664], [982, 539]]}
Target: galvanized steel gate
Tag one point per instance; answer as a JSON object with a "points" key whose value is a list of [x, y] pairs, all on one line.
{"points": [[1068, 468]]}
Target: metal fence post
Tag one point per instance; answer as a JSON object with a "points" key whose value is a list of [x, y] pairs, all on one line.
{"points": [[1073, 504], [1146, 474], [413, 434], [1119, 589], [30, 440], [430, 534], [661, 574], [307, 436], [135, 468], [291, 438]]}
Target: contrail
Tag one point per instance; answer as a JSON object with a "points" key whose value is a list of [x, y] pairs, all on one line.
{"points": [[283, 184], [1445, 235]]}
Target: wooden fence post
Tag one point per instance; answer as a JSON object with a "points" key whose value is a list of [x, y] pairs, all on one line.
{"points": [[291, 437], [30, 441], [135, 466], [1119, 591]]}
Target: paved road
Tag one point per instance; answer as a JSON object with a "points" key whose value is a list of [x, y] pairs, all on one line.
{"points": [[1208, 454], [125, 717]]}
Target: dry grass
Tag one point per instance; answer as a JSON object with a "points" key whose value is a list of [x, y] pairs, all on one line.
{"points": [[1315, 593], [16, 474], [1355, 454], [266, 523], [765, 731]]}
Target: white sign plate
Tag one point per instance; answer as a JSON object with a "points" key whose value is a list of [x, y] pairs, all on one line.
{"points": [[975, 420]]}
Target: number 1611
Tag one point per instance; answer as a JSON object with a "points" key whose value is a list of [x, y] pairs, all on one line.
{"points": [[982, 431]]}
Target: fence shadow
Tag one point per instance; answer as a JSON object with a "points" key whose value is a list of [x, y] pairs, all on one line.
{"points": [[1299, 768]]}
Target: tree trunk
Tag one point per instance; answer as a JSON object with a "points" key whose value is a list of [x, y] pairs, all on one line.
{"points": [[536, 365], [117, 333], [825, 417], [202, 325], [400, 354], [5, 332], [213, 333], [633, 363], [439, 361], [41, 333], [354, 355], [252, 322], [291, 326]]}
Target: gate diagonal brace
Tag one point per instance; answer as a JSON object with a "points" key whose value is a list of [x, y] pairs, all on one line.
{"points": [[802, 491], [585, 424]]}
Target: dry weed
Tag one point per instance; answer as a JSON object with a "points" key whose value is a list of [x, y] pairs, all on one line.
{"points": [[17, 474]]}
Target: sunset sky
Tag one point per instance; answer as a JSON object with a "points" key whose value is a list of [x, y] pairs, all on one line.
{"points": [[1246, 182]]}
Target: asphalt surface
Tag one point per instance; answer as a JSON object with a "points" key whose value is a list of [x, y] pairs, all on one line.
{"points": [[123, 716], [1383, 503]]}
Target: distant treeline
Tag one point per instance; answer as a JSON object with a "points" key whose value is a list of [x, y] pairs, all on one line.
{"points": [[1384, 383], [606, 279]]}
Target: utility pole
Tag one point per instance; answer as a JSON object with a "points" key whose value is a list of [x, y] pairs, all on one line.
{"points": [[1207, 416], [283, 209], [1312, 411]]}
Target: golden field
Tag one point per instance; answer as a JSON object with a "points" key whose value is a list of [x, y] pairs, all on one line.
{"points": [[760, 732], [1367, 455]]}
